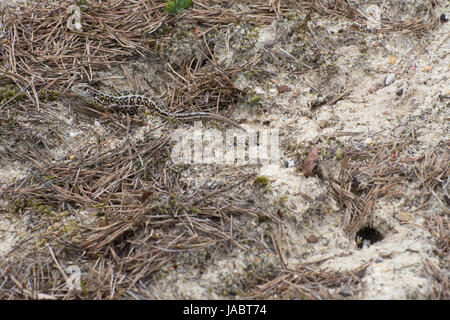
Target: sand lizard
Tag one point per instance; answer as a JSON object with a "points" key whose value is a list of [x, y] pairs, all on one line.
{"points": [[131, 102]]}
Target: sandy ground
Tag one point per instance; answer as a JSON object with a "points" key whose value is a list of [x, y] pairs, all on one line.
{"points": [[356, 62]]}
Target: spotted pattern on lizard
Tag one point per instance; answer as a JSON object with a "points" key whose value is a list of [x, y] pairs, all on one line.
{"points": [[131, 102]]}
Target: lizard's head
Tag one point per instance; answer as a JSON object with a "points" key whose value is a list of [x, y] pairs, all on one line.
{"points": [[84, 91], [81, 89]]}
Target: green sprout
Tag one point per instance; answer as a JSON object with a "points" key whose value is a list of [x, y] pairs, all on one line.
{"points": [[174, 7]]}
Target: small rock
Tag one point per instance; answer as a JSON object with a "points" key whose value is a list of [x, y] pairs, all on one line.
{"points": [[259, 90], [392, 60], [389, 79], [283, 88], [447, 200], [288, 163], [273, 91], [378, 259], [269, 44], [443, 18], [322, 197], [345, 293], [403, 216], [399, 92], [73, 134], [323, 123], [312, 239]]}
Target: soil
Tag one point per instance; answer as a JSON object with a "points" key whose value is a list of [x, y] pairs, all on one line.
{"points": [[299, 71]]}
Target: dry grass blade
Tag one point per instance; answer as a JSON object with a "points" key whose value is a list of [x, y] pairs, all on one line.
{"points": [[140, 238], [375, 171], [306, 283], [42, 50], [387, 23]]}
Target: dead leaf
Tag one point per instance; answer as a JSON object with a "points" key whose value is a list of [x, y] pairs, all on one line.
{"points": [[283, 88], [145, 195], [310, 163]]}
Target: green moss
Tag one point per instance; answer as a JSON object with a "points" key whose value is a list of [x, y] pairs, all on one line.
{"points": [[195, 210], [174, 7], [41, 243], [48, 96], [37, 205], [99, 209], [290, 17], [9, 92], [19, 204], [253, 98], [43, 209], [283, 199], [84, 291], [99, 213], [253, 34], [99, 205], [261, 181]]}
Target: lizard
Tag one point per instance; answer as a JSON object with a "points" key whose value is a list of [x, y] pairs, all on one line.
{"points": [[131, 102]]}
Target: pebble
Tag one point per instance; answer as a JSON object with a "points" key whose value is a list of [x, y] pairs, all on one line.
{"points": [[399, 92], [283, 88], [378, 259], [259, 90], [345, 293], [403, 216], [447, 200], [444, 18], [288, 163], [312, 239], [389, 79], [73, 134]]}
